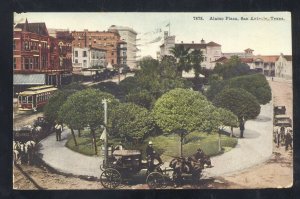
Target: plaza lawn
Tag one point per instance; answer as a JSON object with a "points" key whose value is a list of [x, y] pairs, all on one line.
{"points": [[166, 145]]}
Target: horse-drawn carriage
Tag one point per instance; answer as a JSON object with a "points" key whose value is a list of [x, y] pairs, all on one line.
{"points": [[126, 165]]}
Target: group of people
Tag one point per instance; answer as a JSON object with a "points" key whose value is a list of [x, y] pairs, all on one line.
{"points": [[23, 152], [284, 135]]}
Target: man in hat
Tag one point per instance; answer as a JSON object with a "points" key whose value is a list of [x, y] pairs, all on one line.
{"points": [[152, 154]]}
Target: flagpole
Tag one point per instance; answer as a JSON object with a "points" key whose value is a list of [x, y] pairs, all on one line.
{"points": [[169, 28]]}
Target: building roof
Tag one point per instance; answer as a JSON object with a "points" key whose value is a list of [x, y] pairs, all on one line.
{"points": [[122, 28], [221, 59], [288, 57], [246, 60], [197, 45], [38, 28], [268, 58], [97, 48], [248, 49], [212, 44]]}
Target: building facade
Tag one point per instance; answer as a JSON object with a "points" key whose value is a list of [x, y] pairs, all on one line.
{"points": [[127, 35], [284, 66], [87, 60], [106, 40], [211, 50], [35, 56]]}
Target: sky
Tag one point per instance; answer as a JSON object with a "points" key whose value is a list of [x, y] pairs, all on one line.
{"points": [[267, 33]]}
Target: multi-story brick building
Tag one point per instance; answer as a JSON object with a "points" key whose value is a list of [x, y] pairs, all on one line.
{"points": [[64, 39], [107, 40], [35, 56]]}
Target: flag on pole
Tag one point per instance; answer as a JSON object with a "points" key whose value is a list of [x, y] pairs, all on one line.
{"points": [[168, 25]]}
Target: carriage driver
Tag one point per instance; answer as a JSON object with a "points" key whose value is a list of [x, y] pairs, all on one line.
{"points": [[152, 154]]}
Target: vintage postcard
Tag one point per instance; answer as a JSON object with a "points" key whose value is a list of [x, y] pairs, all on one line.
{"points": [[152, 100]]}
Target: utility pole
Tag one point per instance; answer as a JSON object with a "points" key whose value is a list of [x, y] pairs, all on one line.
{"points": [[104, 102]]}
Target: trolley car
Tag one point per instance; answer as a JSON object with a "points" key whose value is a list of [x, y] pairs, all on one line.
{"points": [[35, 97]]}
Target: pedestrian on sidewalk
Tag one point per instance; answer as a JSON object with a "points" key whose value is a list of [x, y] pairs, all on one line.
{"points": [[288, 140], [58, 130]]}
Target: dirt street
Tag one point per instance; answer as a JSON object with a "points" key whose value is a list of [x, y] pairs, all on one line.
{"points": [[276, 172]]}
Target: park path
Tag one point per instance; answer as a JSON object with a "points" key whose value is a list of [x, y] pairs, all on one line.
{"points": [[254, 149], [56, 155]]}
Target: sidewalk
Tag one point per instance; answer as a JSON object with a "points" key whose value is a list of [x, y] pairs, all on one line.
{"points": [[255, 148], [58, 156]]}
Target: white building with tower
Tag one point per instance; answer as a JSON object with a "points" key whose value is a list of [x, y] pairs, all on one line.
{"points": [[128, 35]]}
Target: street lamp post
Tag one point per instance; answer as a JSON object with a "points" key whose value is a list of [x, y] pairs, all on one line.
{"points": [[104, 102]]}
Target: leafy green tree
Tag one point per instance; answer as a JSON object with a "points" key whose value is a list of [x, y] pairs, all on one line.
{"points": [[227, 118], [242, 103], [128, 84], [54, 104], [215, 88], [184, 109], [74, 86], [140, 97], [196, 57], [181, 55], [232, 68], [255, 84], [110, 87], [131, 121], [85, 109]]}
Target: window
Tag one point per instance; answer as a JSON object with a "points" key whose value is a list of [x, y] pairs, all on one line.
{"points": [[14, 45], [26, 63], [84, 54], [112, 53], [15, 64], [26, 45], [112, 61], [76, 53], [84, 63], [76, 61]]}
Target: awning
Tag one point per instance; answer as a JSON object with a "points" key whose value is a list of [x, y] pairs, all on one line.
{"points": [[29, 79]]}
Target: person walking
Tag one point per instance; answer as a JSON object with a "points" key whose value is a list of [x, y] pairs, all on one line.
{"points": [[58, 130], [288, 140]]}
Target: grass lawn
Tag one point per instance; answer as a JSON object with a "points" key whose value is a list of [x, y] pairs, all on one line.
{"points": [[166, 145]]}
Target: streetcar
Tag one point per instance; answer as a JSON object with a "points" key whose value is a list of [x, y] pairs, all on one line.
{"points": [[35, 97]]}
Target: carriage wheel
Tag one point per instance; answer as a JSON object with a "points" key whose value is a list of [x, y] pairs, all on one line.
{"points": [[110, 178], [155, 180]]}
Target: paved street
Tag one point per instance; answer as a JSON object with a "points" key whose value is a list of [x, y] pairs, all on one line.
{"points": [[255, 148]]}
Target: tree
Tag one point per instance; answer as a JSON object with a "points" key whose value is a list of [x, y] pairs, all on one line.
{"points": [[183, 109], [85, 109], [255, 84], [131, 121], [181, 55], [242, 103], [140, 97], [216, 86], [196, 57], [227, 118], [110, 87], [232, 68]]}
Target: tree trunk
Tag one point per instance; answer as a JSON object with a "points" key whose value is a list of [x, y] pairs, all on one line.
{"points": [[73, 134], [94, 141], [242, 127], [79, 133], [219, 142], [231, 134]]}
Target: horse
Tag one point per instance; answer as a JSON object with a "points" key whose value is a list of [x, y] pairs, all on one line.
{"points": [[16, 156]]}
